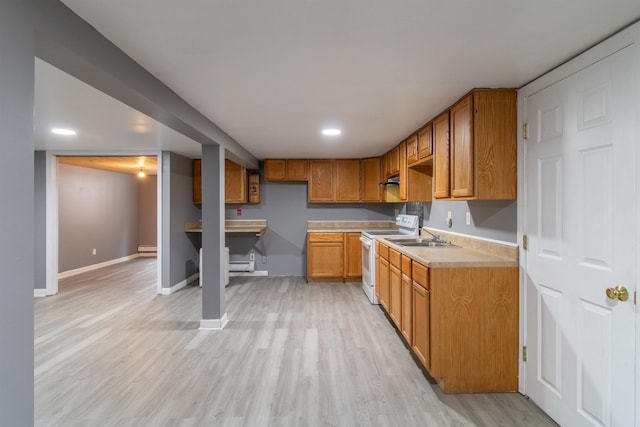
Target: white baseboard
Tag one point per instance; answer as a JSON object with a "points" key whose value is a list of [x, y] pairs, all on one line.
{"points": [[39, 293], [92, 267], [254, 273], [214, 324], [180, 285], [147, 254]]}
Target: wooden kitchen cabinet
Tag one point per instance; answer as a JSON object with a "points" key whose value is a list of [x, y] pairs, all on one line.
{"points": [[286, 169], [474, 329], [353, 256], [236, 187], [403, 191], [371, 178], [395, 287], [334, 257], [347, 180], [393, 161], [425, 143], [321, 181], [482, 153], [412, 149], [382, 276], [406, 320], [441, 156], [421, 315], [235, 183], [325, 256]]}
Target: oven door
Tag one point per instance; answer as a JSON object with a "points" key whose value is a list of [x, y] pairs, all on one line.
{"points": [[368, 268]]}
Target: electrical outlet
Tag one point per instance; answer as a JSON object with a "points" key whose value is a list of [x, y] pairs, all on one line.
{"points": [[94, 251], [468, 218], [252, 256]]}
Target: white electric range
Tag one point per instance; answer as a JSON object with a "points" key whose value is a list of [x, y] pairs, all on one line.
{"points": [[407, 225]]}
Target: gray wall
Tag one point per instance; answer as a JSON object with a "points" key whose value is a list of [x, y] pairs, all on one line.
{"points": [[17, 218], [180, 250], [39, 227], [285, 207], [96, 209], [148, 210], [491, 219]]}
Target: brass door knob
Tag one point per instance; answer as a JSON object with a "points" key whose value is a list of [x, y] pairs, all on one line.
{"points": [[619, 292]]}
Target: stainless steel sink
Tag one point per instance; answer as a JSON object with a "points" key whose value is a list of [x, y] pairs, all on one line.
{"points": [[421, 241]]}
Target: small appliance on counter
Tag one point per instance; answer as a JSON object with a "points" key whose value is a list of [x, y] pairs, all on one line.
{"points": [[407, 225]]}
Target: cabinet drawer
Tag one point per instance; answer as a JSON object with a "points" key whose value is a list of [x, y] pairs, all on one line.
{"points": [[406, 265], [383, 251], [420, 274], [326, 237], [394, 258]]}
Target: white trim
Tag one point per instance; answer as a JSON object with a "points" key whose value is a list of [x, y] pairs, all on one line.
{"points": [[214, 324], [92, 267], [175, 288], [39, 293], [147, 248], [500, 242], [147, 254], [159, 203], [51, 231]]}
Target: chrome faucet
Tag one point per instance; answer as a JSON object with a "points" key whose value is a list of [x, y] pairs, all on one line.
{"points": [[436, 237]]}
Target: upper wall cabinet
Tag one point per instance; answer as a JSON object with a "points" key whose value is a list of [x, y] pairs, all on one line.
{"points": [[235, 183], [425, 143], [441, 156], [334, 180], [482, 148], [286, 169], [371, 174]]}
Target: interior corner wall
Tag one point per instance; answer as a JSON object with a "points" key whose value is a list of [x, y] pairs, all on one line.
{"points": [[96, 210], [147, 210], [284, 205], [180, 250], [17, 51]]}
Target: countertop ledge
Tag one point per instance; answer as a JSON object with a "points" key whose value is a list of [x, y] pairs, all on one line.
{"points": [[471, 252], [250, 226], [348, 226]]}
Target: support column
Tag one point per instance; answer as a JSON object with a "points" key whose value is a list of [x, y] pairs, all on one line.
{"points": [[214, 316]]}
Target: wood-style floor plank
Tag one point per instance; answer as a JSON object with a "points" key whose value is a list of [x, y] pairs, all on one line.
{"points": [[110, 352]]}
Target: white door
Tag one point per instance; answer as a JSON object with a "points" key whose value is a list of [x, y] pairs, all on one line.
{"points": [[580, 219]]}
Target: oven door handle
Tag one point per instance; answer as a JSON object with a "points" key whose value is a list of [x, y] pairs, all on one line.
{"points": [[365, 242]]}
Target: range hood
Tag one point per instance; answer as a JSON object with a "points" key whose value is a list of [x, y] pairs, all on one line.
{"points": [[394, 180]]}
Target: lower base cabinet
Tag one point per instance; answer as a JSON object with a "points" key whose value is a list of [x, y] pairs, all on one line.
{"points": [[333, 257], [461, 323]]}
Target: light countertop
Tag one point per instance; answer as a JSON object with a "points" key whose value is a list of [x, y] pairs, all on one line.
{"points": [[249, 226], [348, 226]]}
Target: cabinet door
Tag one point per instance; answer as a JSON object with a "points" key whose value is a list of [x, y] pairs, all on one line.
{"points": [[296, 169], [421, 324], [321, 181], [441, 156], [235, 182], [197, 181], [412, 149], [275, 169], [382, 283], [347, 180], [406, 320], [353, 255], [425, 142], [461, 148], [325, 255], [394, 161], [395, 294], [402, 170], [370, 181]]}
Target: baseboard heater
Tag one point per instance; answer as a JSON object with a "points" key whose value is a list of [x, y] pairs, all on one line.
{"points": [[242, 266]]}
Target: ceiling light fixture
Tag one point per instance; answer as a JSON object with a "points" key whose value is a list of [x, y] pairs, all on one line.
{"points": [[331, 132], [62, 131], [141, 173]]}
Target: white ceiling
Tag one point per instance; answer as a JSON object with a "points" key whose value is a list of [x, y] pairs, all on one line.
{"points": [[273, 73]]}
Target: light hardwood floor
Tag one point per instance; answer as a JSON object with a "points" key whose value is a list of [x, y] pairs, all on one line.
{"points": [[109, 351]]}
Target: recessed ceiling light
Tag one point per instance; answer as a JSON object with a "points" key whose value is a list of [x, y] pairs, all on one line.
{"points": [[331, 132], [62, 131]]}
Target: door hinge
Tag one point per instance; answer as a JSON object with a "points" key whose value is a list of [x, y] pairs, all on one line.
{"points": [[525, 242], [524, 353], [525, 131]]}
